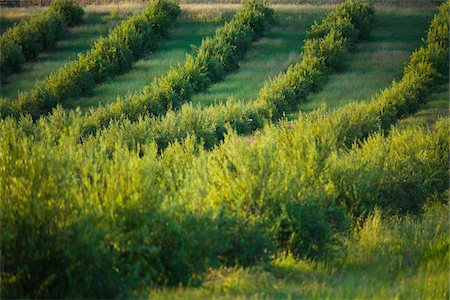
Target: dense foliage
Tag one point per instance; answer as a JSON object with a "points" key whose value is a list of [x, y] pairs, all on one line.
{"points": [[28, 38], [109, 56]]}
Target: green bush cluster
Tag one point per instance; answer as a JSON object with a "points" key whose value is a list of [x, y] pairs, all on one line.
{"points": [[27, 39], [70, 10], [107, 57], [215, 57], [353, 18], [393, 173]]}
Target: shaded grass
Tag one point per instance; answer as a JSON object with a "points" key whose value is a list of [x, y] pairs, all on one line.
{"points": [[377, 61]]}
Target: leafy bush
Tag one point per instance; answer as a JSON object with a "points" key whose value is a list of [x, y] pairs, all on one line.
{"points": [[50, 27], [72, 80], [27, 37], [105, 59], [391, 173], [356, 12], [11, 57], [70, 10]]}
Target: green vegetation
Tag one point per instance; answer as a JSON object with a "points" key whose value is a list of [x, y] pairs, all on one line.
{"points": [[271, 55], [187, 32], [151, 196], [189, 29], [25, 40], [377, 61], [279, 96]]}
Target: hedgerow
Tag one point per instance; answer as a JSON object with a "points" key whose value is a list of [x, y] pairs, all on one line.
{"points": [[108, 57], [28, 38], [210, 124]]}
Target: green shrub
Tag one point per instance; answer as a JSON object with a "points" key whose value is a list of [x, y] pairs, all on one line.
{"points": [[391, 173], [27, 37], [70, 10], [50, 27], [11, 57], [161, 13], [106, 59], [356, 12]]}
